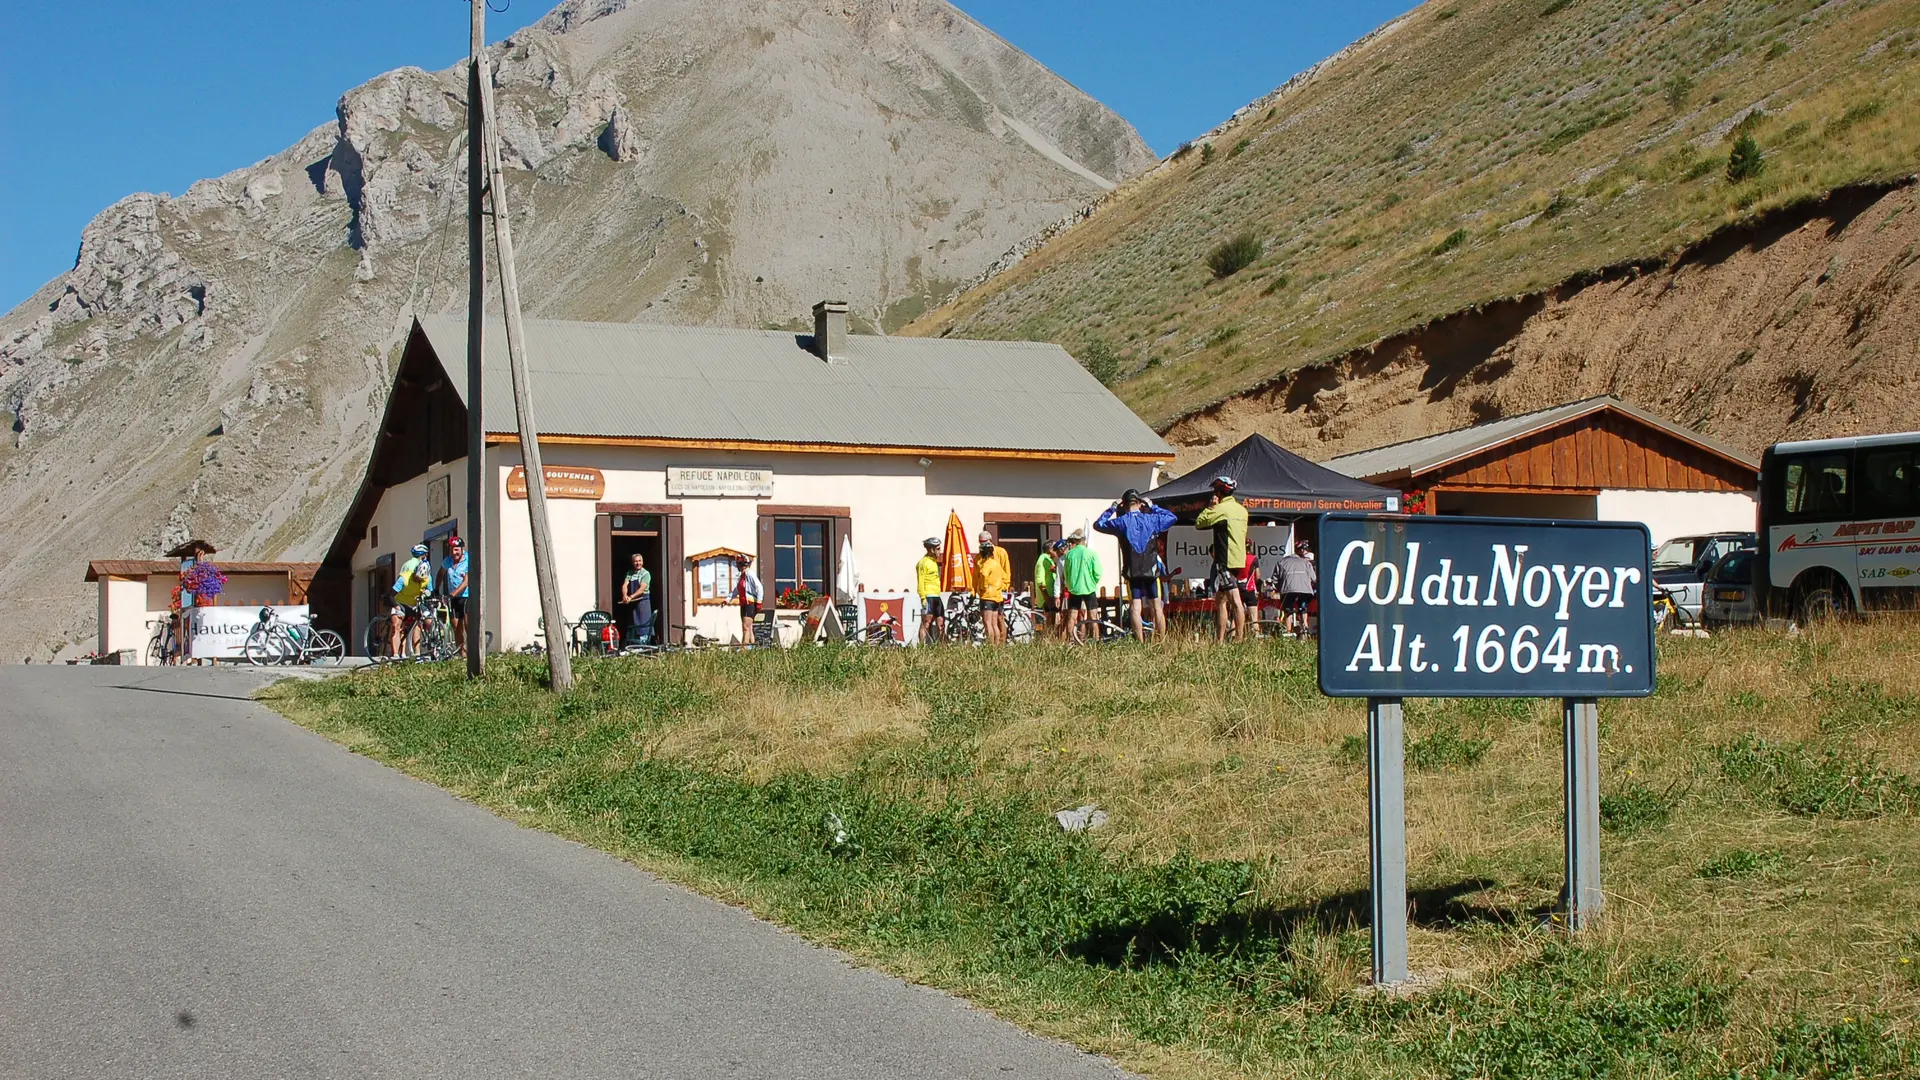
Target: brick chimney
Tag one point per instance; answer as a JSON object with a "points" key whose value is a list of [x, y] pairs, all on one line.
{"points": [[830, 330]]}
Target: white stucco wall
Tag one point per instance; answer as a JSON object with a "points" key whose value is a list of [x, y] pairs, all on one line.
{"points": [[894, 502], [401, 520], [1668, 514], [128, 604], [123, 616]]}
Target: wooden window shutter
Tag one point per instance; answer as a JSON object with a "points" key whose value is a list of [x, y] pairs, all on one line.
{"points": [[670, 605], [763, 562], [603, 562]]}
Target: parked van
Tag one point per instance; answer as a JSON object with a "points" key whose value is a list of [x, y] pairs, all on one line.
{"points": [[1840, 527]]}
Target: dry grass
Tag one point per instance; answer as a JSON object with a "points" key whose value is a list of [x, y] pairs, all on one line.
{"points": [[1221, 755], [1496, 151], [1230, 754]]}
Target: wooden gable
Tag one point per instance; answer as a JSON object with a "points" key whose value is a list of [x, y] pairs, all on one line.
{"points": [[1602, 449]]}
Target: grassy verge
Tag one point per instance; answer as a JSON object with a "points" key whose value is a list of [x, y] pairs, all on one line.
{"points": [[1760, 853]]}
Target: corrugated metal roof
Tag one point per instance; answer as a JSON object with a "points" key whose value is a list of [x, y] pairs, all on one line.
{"points": [[700, 383], [1416, 456]]}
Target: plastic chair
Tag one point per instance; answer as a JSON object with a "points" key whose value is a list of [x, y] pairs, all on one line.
{"points": [[590, 633]]}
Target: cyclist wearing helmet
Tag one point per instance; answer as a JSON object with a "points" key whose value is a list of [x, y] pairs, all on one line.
{"points": [[933, 607], [1228, 520], [1138, 523], [416, 578]]}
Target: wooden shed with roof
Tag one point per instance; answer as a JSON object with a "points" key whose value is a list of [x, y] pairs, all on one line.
{"points": [[1597, 459]]}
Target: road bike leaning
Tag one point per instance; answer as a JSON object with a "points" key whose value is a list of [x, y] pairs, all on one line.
{"points": [[274, 640]]}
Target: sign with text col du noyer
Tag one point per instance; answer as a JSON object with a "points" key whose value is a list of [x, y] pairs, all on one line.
{"points": [[1484, 607]]}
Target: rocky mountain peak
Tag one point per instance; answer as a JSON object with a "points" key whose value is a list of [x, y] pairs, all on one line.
{"points": [[215, 362]]}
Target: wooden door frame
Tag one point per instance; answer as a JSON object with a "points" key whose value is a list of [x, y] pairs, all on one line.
{"points": [[669, 578]]}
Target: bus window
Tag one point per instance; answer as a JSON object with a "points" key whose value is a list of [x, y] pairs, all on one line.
{"points": [[1816, 488], [1889, 482]]}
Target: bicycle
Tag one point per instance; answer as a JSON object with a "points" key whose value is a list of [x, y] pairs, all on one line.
{"points": [[1667, 612], [696, 642], [163, 646], [434, 628], [883, 632], [274, 640]]}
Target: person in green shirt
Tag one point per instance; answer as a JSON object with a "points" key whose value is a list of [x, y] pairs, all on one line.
{"points": [[1045, 576], [637, 589], [1228, 520], [1080, 571]]}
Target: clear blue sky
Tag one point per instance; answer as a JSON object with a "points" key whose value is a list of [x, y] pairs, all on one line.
{"points": [[103, 98]]}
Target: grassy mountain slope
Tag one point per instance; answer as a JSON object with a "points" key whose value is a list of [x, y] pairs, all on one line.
{"points": [[1475, 149]]}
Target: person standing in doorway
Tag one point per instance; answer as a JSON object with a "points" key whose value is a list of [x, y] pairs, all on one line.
{"points": [[1228, 520], [454, 572], [746, 589], [992, 577], [1080, 571], [933, 605], [637, 589], [1138, 523], [1298, 578]]}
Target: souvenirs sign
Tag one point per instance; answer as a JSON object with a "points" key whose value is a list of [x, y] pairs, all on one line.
{"points": [[563, 482]]}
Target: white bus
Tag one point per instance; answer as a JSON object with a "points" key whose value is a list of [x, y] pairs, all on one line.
{"points": [[1839, 527]]}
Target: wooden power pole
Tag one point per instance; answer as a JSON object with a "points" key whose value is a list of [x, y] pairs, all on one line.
{"points": [[476, 530], [559, 661]]}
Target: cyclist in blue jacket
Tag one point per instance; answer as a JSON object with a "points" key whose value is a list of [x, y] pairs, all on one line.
{"points": [[1138, 523]]}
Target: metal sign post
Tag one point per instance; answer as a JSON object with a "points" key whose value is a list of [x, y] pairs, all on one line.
{"points": [[1481, 607], [1387, 792], [1584, 899]]}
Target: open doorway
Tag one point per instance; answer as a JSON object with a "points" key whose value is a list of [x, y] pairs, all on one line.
{"points": [[642, 536]]}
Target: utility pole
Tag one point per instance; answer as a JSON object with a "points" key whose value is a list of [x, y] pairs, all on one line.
{"points": [[476, 328], [559, 662]]}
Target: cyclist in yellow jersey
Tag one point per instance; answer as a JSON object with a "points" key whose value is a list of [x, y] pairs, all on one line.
{"points": [[933, 607], [416, 577]]}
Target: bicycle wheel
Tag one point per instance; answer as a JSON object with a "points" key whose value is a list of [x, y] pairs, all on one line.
{"points": [[156, 650], [262, 647], [1020, 626], [326, 647], [373, 640]]}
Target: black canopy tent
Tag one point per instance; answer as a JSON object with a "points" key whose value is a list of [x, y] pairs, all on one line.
{"points": [[1273, 484]]}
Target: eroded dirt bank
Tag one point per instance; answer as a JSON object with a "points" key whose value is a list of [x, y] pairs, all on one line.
{"points": [[1804, 324]]}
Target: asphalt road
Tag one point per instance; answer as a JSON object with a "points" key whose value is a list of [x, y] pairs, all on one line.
{"points": [[190, 886]]}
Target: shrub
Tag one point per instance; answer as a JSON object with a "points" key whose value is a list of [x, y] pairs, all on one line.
{"points": [[1866, 110], [1206, 153], [1235, 255], [1279, 282], [1635, 807], [1101, 361], [1746, 161], [1446, 749], [1239, 148], [1831, 785], [1454, 239], [1740, 863], [1679, 90]]}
